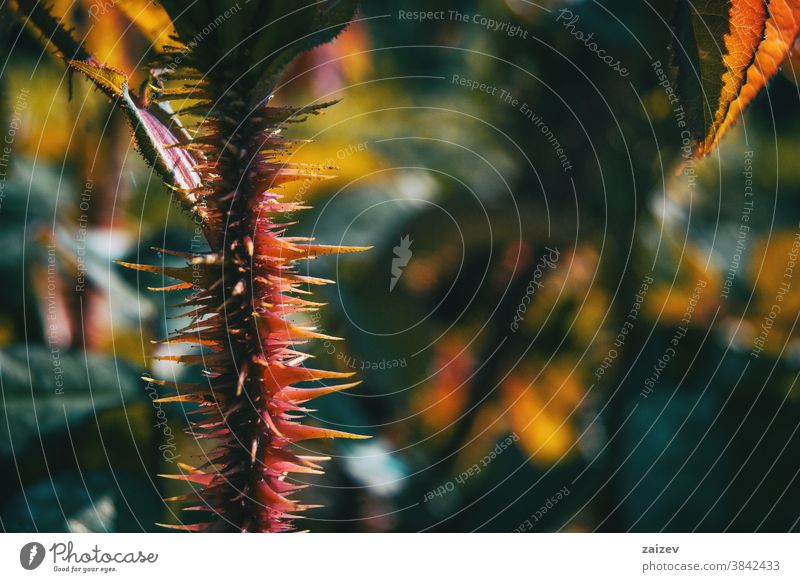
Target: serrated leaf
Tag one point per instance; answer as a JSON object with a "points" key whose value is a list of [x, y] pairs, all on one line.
{"points": [[155, 139], [781, 29], [249, 44], [110, 81], [717, 44], [329, 19]]}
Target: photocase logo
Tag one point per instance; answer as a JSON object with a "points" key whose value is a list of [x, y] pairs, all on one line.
{"points": [[31, 555], [402, 254]]}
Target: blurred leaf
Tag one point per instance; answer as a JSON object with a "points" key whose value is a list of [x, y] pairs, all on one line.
{"points": [[541, 407], [125, 301], [150, 18], [44, 392], [81, 503], [441, 401]]}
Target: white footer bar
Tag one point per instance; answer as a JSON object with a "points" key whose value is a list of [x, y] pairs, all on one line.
{"points": [[406, 557]]}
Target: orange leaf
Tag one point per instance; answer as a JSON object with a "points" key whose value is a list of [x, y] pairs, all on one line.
{"points": [[781, 29], [716, 44]]}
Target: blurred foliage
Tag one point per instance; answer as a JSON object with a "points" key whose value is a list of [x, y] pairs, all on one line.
{"points": [[478, 188]]}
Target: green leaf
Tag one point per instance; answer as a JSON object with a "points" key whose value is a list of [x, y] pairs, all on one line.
{"points": [[84, 502], [328, 22], [45, 390], [248, 44]]}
